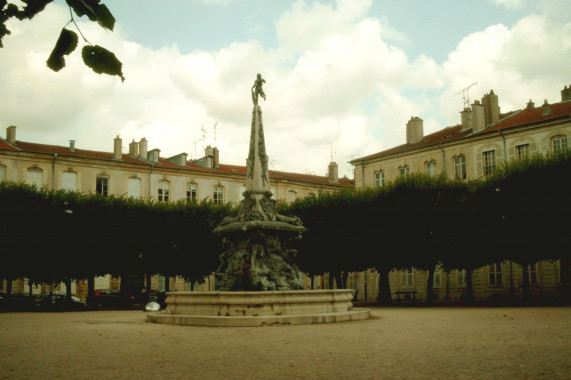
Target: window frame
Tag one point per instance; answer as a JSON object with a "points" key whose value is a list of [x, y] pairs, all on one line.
{"points": [[218, 194], [461, 278], [559, 143], [407, 278], [460, 167], [522, 151], [430, 168], [102, 189], [489, 162], [532, 274], [35, 171], [191, 192], [404, 171], [495, 274], [380, 178], [163, 191]]}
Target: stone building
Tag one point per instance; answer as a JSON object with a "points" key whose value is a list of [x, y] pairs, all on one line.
{"points": [[143, 172], [484, 139]]}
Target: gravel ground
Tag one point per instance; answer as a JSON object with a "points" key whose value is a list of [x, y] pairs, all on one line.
{"points": [[396, 343]]}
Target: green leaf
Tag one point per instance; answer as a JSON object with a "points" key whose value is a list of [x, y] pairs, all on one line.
{"points": [[33, 7], [102, 60], [66, 43], [104, 17], [82, 8]]}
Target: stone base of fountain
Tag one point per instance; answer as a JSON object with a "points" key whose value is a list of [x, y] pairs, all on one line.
{"points": [[249, 309]]}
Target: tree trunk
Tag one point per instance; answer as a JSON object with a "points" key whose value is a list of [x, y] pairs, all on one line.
{"points": [[447, 284], [469, 287], [565, 278], [331, 278], [148, 284], [525, 282], [429, 286], [90, 286], [8, 287], [312, 282], [67, 282], [339, 280], [168, 285], [384, 296], [30, 288]]}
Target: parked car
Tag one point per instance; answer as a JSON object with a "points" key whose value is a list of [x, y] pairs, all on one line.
{"points": [[106, 298], [59, 302], [17, 302]]}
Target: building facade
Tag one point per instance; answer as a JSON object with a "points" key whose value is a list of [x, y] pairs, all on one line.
{"points": [[473, 149]]}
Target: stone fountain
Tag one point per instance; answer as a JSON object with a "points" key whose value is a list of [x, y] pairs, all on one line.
{"points": [[259, 280]]}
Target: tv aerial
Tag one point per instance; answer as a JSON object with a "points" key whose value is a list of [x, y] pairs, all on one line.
{"points": [[465, 95]]}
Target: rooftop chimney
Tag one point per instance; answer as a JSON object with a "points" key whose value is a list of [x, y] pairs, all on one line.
{"points": [[478, 116], [11, 134], [216, 158], [133, 149], [117, 148], [414, 130], [491, 107], [466, 117], [530, 105], [143, 148], [209, 156], [566, 93], [333, 172], [72, 145], [545, 108]]}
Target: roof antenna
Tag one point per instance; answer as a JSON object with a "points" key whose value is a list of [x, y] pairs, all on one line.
{"points": [[203, 134], [465, 96], [332, 152], [215, 124]]}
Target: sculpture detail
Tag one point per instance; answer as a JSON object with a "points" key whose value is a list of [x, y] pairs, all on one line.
{"points": [[257, 253], [257, 89]]}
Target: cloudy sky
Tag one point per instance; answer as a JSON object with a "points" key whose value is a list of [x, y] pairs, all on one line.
{"points": [[342, 77]]}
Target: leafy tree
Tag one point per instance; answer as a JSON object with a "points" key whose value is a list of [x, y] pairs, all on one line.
{"points": [[99, 59]]}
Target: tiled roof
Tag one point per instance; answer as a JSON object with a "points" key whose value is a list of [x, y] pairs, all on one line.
{"points": [[512, 120], [4, 145], [164, 163], [533, 116]]}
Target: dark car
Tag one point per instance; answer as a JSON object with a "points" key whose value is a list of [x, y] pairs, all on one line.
{"points": [[17, 302], [59, 302], [106, 298]]}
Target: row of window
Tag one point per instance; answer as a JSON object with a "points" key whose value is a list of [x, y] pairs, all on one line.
{"points": [[495, 276], [559, 144]]}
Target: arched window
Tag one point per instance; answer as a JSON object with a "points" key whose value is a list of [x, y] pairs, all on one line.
{"points": [[431, 168], [69, 181], [380, 178], [102, 185], [218, 195], [35, 177], [191, 192], [559, 143], [164, 190], [460, 167], [291, 195], [134, 187]]}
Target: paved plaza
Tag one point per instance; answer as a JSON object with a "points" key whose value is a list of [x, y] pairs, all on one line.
{"points": [[396, 343]]}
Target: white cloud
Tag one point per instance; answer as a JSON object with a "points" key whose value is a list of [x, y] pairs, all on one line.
{"points": [[333, 77], [510, 4]]}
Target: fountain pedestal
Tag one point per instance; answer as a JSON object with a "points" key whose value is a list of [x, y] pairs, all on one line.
{"points": [[249, 309], [260, 282]]}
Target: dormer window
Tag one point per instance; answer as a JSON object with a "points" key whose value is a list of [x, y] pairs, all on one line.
{"points": [[153, 155]]}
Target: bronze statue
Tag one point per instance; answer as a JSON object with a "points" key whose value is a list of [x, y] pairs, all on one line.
{"points": [[257, 89]]}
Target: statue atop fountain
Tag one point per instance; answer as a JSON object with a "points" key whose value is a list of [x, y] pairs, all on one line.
{"points": [[257, 242]]}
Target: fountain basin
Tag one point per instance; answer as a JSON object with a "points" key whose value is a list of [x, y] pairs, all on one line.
{"points": [[258, 308]]}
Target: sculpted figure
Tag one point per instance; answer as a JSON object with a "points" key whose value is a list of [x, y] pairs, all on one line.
{"points": [[257, 89]]}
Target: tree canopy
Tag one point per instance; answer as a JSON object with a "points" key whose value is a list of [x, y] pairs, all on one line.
{"points": [[99, 59]]}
